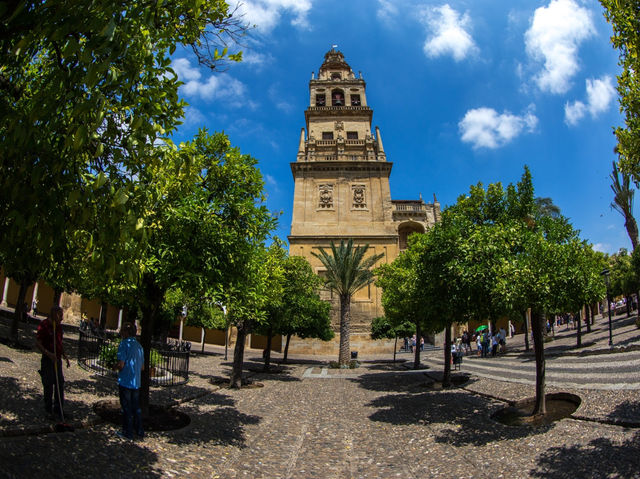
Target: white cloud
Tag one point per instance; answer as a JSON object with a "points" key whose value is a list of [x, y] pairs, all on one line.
{"points": [[387, 11], [448, 33], [184, 70], [193, 116], [217, 87], [266, 14], [272, 182], [602, 247], [485, 128], [249, 57], [554, 36], [279, 98], [574, 112], [600, 93]]}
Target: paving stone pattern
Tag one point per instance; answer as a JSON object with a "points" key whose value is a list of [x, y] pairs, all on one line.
{"points": [[379, 421]]}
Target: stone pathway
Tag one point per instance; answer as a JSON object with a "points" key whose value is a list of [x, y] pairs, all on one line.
{"points": [[605, 371], [378, 421]]}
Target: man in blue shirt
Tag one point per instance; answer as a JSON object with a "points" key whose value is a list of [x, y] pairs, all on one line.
{"points": [[130, 364]]}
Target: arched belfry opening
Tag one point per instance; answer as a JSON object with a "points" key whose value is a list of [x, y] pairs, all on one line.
{"points": [[337, 98]]}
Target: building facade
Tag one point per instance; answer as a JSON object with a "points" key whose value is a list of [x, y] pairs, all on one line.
{"points": [[342, 191]]}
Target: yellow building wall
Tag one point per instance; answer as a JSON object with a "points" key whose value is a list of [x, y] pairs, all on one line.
{"points": [[259, 341]]}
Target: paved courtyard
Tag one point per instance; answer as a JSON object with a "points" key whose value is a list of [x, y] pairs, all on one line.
{"points": [[379, 421]]}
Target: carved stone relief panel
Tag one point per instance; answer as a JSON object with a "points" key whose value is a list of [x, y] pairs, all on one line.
{"points": [[325, 196], [359, 197]]}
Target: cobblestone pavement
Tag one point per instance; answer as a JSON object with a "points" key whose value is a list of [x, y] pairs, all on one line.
{"points": [[378, 421], [592, 366]]}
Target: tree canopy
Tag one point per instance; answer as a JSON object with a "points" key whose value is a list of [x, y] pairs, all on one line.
{"points": [[495, 252], [624, 17], [87, 94]]}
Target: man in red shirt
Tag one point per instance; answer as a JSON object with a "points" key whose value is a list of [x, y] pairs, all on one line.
{"points": [[52, 360]]}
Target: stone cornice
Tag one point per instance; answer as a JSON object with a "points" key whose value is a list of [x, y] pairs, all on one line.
{"points": [[315, 238], [337, 83], [378, 166]]}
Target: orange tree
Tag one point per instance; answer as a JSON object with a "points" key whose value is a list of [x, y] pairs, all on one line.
{"points": [[85, 94], [493, 253]]}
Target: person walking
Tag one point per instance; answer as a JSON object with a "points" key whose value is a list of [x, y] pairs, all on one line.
{"points": [[494, 344], [130, 365], [502, 340], [49, 343], [486, 343]]}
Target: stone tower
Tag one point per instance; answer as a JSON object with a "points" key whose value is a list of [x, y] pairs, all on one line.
{"points": [[342, 191]]}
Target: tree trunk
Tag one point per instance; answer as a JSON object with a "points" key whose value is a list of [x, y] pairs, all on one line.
{"points": [[153, 299], [267, 352], [537, 323], [286, 349], [226, 341], [204, 338], [344, 358], [628, 306], [579, 331], [587, 317], [19, 313], [526, 333], [103, 315], [632, 230], [446, 375], [395, 348], [57, 295], [416, 355], [238, 355]]}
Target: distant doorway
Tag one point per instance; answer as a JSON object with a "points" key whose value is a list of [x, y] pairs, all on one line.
{"points": [[405, 230]]}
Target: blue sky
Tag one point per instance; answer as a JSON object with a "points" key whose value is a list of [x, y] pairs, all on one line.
{"points": [[463, 92]]}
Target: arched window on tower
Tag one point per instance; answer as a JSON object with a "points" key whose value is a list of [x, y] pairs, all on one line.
{"points": [[337, 98], [336, 76]]}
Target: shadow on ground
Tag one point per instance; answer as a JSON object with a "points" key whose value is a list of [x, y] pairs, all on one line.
{"points": [[465, 417], [599, 458], [224, 425], [627, 412], [96, 386], [415, 381], [31, 411], [81, 454]]}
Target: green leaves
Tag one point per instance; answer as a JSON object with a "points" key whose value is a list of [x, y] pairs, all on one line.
{"points": [[347, 269], [493, 252], [625, 21]]}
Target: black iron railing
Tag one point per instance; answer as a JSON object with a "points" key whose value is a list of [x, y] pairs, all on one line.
{"points": [[169, 363]]}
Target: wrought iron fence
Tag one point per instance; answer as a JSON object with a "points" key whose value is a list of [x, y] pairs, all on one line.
{"points": [[169, 363]]}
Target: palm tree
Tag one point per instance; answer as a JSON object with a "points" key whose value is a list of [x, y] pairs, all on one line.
{"points": [[347, 272], [623, 202]]}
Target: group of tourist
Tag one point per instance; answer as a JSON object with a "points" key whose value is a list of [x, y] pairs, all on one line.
{"points": [[485, 342], [411, 343], [91, 325]]}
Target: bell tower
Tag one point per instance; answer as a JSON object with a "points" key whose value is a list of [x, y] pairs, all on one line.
{"points": [[341, 173], [341, 191]]}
